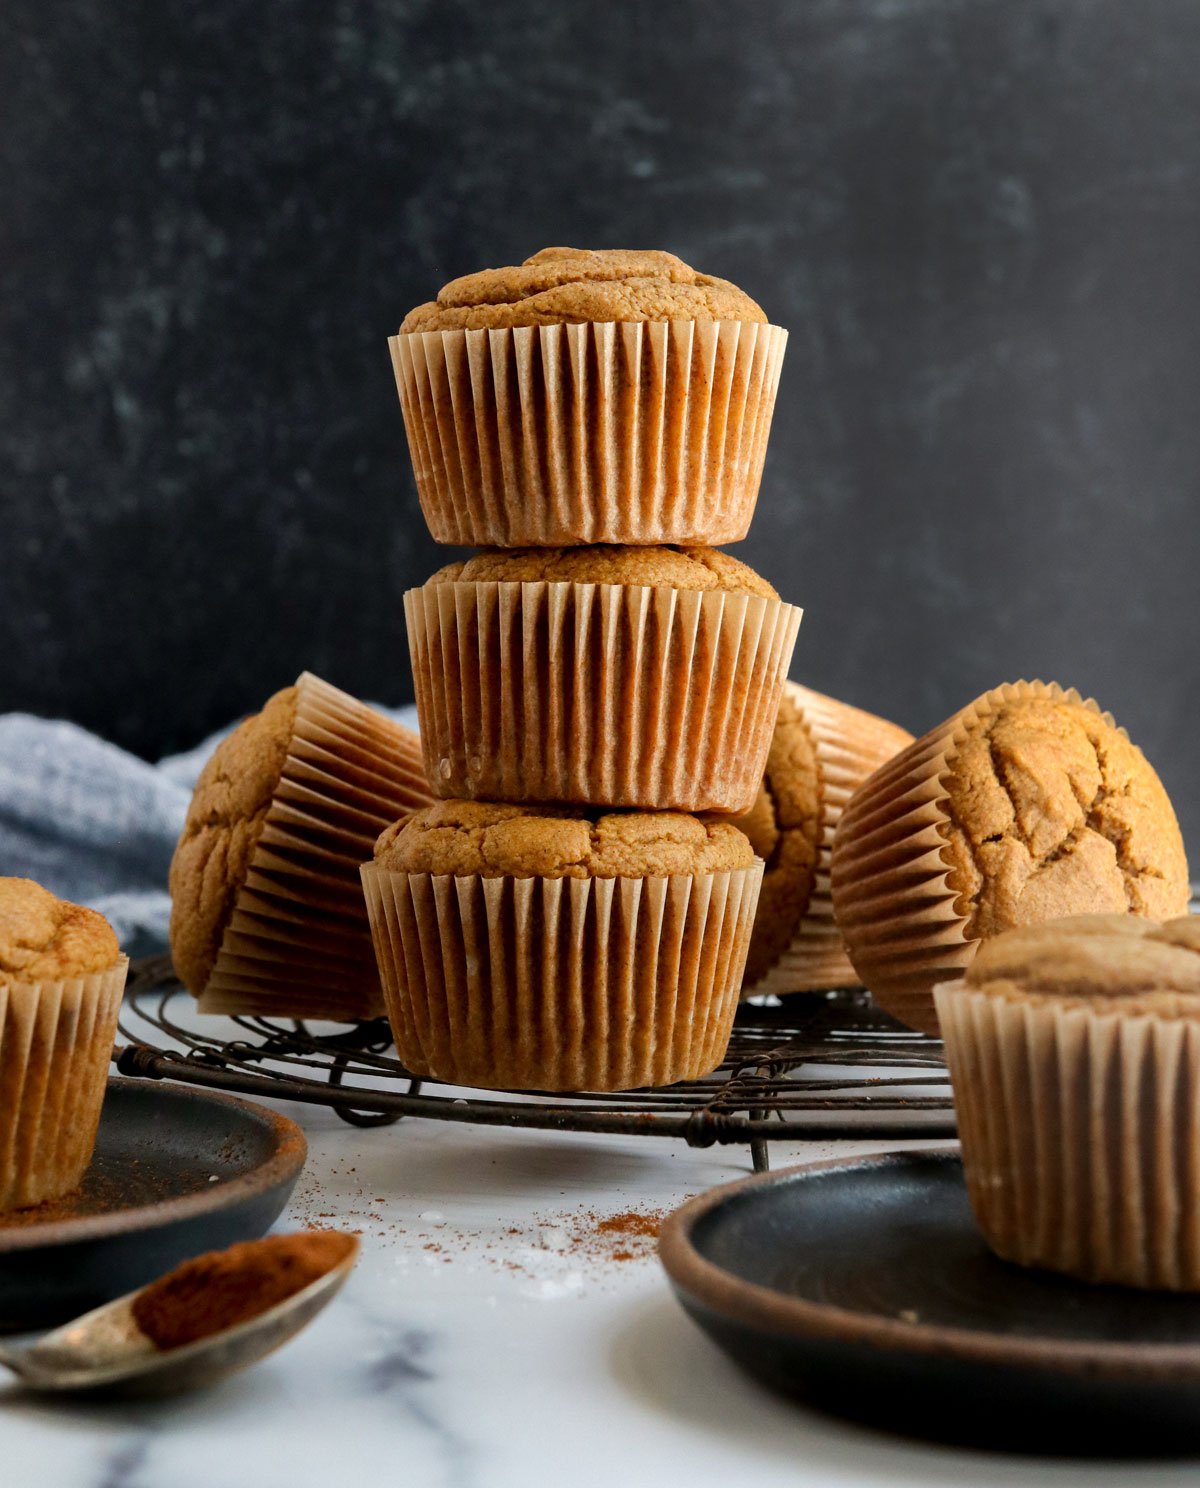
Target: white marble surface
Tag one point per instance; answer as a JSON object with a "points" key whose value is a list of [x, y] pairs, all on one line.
{"points": [[527, 1363]]}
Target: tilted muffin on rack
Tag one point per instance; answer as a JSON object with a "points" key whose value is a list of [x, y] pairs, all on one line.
{"points": [[588, 396], [554, 948], [61, 979], [266, 909], [821, 750], [1027, 805], [607, 676]]}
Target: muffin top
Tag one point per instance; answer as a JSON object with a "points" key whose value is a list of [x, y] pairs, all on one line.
{"points": [[1052, 811], [668, 568], [571, 285], [224, 822], [1131, 965], [44, 938], [786, 822], [492, 840]]}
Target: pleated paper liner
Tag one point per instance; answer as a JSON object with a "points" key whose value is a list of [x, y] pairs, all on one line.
{"points": [[603, 694], [609, 432], [850, 744], [898, 908], [56, 1042], [298, 944], [1080, 1133], [561, 984]]}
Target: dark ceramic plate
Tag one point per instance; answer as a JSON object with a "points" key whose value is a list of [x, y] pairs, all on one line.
{"points": [[175, 1172], [863, 1287]]}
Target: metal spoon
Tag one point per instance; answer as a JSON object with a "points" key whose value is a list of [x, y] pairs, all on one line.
{"points": [[105, 1351]]}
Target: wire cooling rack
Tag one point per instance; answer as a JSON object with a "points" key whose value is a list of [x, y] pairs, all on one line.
{"points": [[811, 1065]]}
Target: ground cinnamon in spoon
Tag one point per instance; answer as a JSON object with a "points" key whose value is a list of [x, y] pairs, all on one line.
{"points": [[226, 1287]]}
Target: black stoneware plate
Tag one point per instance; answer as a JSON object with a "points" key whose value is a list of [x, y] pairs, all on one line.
{"points": [[863, 1287], [175, 1172]]}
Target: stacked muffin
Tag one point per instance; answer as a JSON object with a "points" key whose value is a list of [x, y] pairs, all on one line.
{"points": [[595, 421]]}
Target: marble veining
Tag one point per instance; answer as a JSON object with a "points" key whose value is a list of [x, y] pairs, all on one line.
{"points": [[124, 1464]]}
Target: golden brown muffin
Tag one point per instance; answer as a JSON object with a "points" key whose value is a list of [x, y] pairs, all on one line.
{"points": [[668, 568], [610, 676], [1051, 810], [1028, 804], [224, 822], [1074, 1051], [570, 285], [267, 913], [820, 751], [560, 949], [44, 938], [62, 975], [588, 397], [490, 839]]}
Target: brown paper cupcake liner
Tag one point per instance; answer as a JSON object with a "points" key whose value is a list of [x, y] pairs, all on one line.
{"points": [[602, 694], [599, 433], [893, 895], [850, 744], [298, 944], [561, 983], [1080, 1135], [56, 1041]]}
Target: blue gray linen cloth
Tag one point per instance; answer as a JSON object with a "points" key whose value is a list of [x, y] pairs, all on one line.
{"points": [[95, 824]]}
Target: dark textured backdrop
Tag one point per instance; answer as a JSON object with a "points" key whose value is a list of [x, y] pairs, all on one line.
{"points": [[979, 219]]}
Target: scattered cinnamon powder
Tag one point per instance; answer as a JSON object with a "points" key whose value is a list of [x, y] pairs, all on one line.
{"points": [[226, 1287], [631, 1223], [587, 1239]]}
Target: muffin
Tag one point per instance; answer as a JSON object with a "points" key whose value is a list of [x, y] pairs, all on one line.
{"points": [[1074, 1050], [1028, 805], [266, 910], [820, 751], [588, 396], [605, 676], [61, 979], [552, 949]]}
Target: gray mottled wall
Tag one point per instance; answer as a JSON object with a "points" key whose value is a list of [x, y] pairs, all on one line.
{"points": [[980, 220]]}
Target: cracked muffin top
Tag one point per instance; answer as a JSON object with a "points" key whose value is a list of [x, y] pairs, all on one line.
{"points": [[668, 568], [224, 822], [572, 285], [44, 938], [786, 822], [494, 841], [1129, 964], [1051, 812]]}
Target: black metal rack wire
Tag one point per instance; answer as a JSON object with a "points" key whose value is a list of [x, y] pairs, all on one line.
{"points": [[811, 1065]]}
